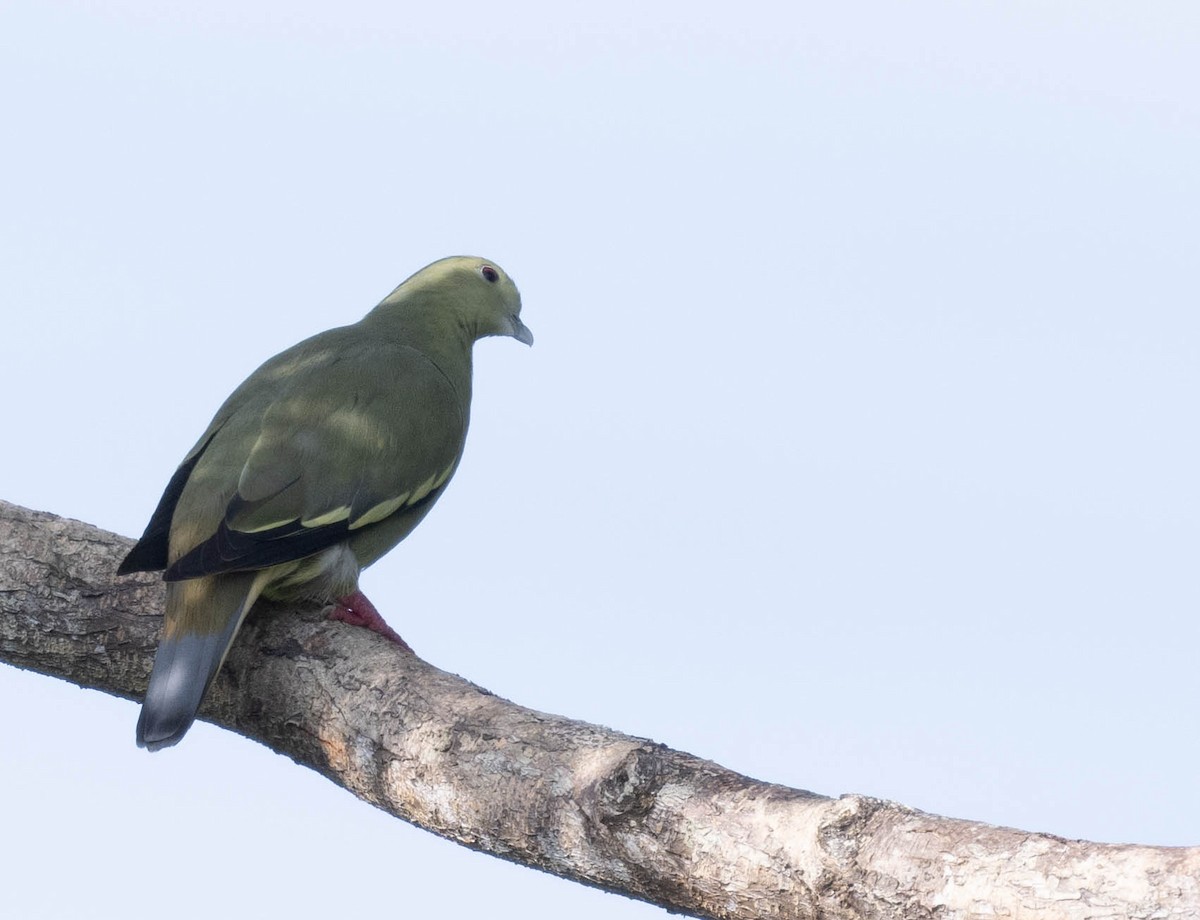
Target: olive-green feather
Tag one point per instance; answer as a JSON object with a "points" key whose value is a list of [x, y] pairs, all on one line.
{"points": [[327, 455], [337, 450]]}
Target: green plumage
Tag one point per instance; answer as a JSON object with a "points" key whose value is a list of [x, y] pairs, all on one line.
{"points": [[325, 458]]}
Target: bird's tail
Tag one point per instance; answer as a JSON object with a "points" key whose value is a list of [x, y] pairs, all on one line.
{"points": [[203, 616]]}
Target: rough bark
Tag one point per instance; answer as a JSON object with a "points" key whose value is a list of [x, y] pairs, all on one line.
{"points": [[580, 801]]}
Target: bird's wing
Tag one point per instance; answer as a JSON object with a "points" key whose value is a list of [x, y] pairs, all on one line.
{"points": [[347, 444], [243, 408]]}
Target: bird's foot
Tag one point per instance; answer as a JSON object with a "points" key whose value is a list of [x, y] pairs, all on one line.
{"points": [[356, 610]]}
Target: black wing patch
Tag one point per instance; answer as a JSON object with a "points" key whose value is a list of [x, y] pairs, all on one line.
{"points": [[231, 550], [149, 554]]}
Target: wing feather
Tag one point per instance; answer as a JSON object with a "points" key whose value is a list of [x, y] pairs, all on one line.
{"points": [[348, 445]]}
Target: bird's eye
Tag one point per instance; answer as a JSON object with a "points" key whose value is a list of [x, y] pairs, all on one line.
{"points": [[489, 274]]}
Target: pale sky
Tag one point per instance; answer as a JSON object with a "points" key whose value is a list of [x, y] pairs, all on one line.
{"points": [[857, 452]]}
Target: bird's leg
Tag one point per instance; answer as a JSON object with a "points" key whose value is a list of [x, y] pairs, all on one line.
{"points": [[356, 610]]}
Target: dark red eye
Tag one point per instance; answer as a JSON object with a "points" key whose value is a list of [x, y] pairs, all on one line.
{"points": [[490, 274]]}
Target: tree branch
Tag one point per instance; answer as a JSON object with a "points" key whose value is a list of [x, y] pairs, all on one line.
{"points": [[577, 800]]}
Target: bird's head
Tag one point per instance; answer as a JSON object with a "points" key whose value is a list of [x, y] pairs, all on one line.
{"points": [[476, 294]]}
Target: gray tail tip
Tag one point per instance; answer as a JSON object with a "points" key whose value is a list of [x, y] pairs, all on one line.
{"points": [[156, 734]]}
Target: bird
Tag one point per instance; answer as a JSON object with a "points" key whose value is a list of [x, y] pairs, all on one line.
{"points": [[320, 462]]}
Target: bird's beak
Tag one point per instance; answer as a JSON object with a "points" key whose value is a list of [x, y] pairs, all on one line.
{"points": [[520, 331]]}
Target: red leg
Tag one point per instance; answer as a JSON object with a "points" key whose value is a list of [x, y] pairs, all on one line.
{"points": [[356, 610]]}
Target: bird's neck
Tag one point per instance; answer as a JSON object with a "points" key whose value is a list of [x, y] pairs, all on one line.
{"points": [[432, 329]]}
